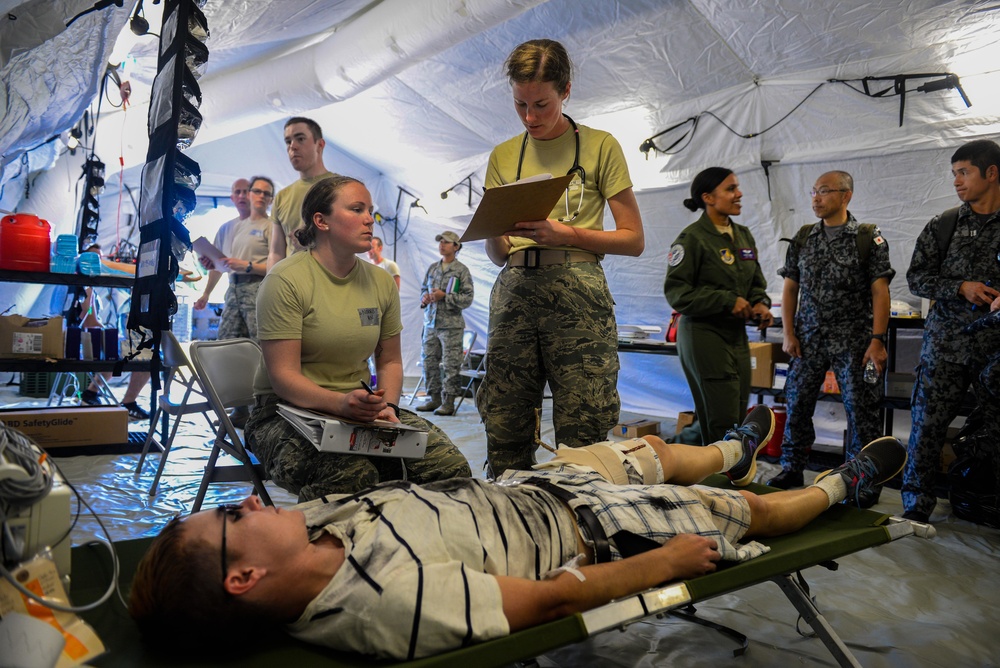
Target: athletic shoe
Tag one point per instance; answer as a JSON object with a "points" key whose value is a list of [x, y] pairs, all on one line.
{"points": [[135, 413], [90, 398], [877, 462], [916, 515], [754, 433], [787, 480]]}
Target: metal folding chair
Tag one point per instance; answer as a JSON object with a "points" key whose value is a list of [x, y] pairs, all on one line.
{"points": [[194, 400], [471, 374], [226, 369], [468, 340]]}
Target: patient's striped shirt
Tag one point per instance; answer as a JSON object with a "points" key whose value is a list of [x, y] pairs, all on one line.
{"points": [[420, 560]]}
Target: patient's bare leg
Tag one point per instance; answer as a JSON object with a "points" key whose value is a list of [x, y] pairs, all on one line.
{"points": [[784, 512]]}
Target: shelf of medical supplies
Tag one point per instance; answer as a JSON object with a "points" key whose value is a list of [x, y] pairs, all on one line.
{"points": [[20, 365], [50, 278]]}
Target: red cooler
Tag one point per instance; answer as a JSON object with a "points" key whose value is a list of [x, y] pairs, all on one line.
{"points": [[24, 243]]}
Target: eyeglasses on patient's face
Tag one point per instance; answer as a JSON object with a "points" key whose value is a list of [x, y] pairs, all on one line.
{"points": [[265, 193], [227, 510]]}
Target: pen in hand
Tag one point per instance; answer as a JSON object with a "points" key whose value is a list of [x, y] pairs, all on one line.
{"points": [[367, 387]]}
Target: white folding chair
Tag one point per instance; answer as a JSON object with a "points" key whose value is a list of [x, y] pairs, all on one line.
{"points": [[226, 369], [193, 400]]}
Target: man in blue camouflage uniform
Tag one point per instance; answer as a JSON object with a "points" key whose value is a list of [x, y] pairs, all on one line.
{"points": [[840, 323], [955, 264], [446, 291]]}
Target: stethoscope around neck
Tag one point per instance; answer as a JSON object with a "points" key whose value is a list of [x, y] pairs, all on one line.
{"points": [[575, 169]]}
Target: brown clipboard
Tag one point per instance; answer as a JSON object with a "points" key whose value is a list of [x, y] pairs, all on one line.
{"points": [[503, 206]]}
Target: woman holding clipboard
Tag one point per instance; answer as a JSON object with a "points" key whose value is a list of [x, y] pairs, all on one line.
{"points": [[551, 313]]}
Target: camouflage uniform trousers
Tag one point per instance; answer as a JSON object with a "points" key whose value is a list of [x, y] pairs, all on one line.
{"points": [[805, 378], [446, 344], [557, 324], [296, 465], [239, 315], [937, 396]]}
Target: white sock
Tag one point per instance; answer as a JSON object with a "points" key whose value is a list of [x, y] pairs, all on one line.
{"points": [[731, 453], [834, 486]]}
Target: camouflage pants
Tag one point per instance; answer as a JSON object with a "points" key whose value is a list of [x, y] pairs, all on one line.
{"points": [[553, 324], [296, 465], [805, 378], [442, 354], [716, 364], [239, 315], [937, 396]]}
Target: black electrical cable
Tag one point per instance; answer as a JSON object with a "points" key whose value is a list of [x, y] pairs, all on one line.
{"points": [[650, 143]]}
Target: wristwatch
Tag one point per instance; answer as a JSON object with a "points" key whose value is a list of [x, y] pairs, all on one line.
{"points": [[880, 337], [249, 266]]}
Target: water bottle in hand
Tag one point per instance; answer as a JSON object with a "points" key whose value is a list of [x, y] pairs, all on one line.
{"points": [[871, 373]]}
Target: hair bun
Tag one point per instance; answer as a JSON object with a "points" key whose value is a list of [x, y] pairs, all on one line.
{"points": [[690, 204]]}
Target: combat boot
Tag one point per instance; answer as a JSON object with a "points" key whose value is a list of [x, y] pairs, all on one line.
{"points": [[447, 406], [433, 401]]}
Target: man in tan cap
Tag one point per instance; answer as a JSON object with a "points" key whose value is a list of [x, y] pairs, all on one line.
{"points": [[446, 290]]}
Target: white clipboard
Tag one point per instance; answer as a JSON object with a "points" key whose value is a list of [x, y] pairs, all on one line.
{"points": [[204, 247]]}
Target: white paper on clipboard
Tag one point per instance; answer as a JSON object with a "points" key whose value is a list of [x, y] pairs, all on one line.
{"points": [[205, 248]]}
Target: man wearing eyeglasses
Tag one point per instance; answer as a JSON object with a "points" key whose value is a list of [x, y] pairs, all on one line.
{"points": [[956, 263], [244, 243], [835, 313]]}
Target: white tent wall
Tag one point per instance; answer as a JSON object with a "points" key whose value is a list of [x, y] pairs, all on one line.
{"points": [[411, 94]]}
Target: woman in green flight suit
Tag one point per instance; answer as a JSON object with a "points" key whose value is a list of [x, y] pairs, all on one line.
{"points": [[714, 280]]}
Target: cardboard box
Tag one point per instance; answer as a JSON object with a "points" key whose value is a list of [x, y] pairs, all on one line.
{"points": [[684, 418], [65, 427], [32, 338], [637, 428], [763, 356]]}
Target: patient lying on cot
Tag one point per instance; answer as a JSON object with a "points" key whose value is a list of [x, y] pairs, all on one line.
{"points": [[406, 571]]}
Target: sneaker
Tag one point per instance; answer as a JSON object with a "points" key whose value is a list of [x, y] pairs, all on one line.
{"points": [[754, 433], [877, 462], [787, 480], [916, 516], [90, 398], [135, 413]]}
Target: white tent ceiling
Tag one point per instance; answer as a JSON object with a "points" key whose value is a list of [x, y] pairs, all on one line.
{"points": [[410, 94]]}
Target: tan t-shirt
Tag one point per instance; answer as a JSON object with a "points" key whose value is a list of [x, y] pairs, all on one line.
{"points": [[601, 157], [245, 239], [287, 209], [339, 321]]}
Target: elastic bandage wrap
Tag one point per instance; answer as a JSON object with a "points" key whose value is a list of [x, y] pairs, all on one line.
{"points": [[631, 462]]}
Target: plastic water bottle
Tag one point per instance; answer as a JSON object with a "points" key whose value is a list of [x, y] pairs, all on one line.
{"points": [[871, 373]]}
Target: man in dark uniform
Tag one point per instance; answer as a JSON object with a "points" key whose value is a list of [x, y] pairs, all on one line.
{"points": [[840, 323], [954, 263]]}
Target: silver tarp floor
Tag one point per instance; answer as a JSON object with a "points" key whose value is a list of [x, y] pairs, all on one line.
{"points": [[913, 602]]}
